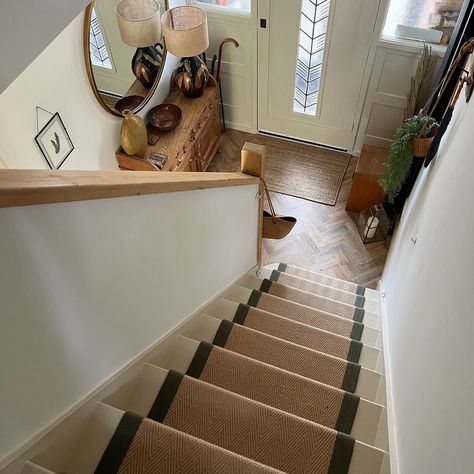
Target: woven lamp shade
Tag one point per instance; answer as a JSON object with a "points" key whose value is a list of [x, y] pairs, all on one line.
{"points": [[185, 31], [139, 22]]}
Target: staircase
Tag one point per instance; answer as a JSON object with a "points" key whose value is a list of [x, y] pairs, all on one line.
{"points": [[283, 373]]}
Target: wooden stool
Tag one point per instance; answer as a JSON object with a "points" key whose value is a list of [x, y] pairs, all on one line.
{"points": [[365, 189]]}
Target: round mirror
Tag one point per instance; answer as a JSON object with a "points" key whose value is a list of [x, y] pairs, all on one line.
{"points": [[124, 52]]}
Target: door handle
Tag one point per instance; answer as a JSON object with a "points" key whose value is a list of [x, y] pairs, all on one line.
{"points": [[263, 22]]}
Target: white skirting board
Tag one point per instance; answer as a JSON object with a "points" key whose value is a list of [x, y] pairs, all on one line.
{"points": [[388, 385]]}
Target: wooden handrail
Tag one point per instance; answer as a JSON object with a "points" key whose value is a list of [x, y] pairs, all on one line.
{"points": [[31, 187]]}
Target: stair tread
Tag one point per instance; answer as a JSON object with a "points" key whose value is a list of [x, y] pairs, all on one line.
{"points": [[312, 300], [319, 277], [299, 333], [311, 286], [285, 441], [141, 445]]}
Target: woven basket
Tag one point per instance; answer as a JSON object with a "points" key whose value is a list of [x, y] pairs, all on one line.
{"points": [[275, 227], [420, 146]]}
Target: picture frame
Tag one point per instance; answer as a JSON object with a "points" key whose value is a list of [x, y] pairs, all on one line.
{"points": [[54, 142]]}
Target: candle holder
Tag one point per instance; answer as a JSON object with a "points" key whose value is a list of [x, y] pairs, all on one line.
{"points": [[373, 224]]}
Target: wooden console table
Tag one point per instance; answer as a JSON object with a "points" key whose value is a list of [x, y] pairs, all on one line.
{"points": [[365, 189], [191, 145]]}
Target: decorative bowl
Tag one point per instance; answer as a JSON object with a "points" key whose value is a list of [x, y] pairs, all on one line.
{"points": [[165, 117], [130, 102]]}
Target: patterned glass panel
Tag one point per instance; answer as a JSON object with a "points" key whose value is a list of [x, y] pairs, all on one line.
{"points": [[422, 13], [312, 39], [99, 53]]}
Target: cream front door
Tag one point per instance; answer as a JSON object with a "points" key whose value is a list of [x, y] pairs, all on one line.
{"points": [[312, 56]]}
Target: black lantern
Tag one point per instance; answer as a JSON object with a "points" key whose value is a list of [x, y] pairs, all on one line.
{"points": [[373, 224]]}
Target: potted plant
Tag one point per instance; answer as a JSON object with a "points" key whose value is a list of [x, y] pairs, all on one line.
{"points": [[411, 139]]}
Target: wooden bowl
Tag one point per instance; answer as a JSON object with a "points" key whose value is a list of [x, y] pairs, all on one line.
{"points": [[131, 102], [165, 117]]}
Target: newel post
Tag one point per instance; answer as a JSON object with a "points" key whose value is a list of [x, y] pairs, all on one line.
{"points": [[252, 159]]}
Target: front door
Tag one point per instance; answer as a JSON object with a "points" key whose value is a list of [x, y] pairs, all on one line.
{"points": [[312, 56]]}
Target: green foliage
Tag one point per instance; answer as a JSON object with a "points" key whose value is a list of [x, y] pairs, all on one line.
{"points": [[400, 158]]}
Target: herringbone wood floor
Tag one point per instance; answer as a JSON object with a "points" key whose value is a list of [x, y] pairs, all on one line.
{"points": [[325, 239]]}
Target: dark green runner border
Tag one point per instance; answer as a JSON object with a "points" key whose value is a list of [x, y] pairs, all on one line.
{"points": [[351, 377], [359, 315], [341, 454], [165, 396], [355, 349], [118, 446], [265, 286], [357, 330], [241, 314], [222, 334], [254, 298], [199, 360], [282, 267], [347, 413], [275, 275], [359, 301], [360, 290]]}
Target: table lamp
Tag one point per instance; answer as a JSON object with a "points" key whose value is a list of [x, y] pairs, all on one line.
{"points": [[186, 36], [140, 26]]}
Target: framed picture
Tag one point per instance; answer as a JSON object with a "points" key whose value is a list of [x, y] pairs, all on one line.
{"points": [[54, 142]]}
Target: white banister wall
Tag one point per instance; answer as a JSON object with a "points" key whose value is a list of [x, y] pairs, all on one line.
{"points": [[87, 286], [429, 286]]}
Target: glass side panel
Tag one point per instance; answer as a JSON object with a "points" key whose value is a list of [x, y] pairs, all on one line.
{"points": [[312, 39], [98, 48], [243, 6]]}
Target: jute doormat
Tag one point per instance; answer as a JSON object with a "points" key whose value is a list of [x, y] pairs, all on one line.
{"points": [[249, 428], [304, 171]]}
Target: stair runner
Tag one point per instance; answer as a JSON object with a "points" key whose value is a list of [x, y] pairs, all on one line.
{"points": [[273, 392]]}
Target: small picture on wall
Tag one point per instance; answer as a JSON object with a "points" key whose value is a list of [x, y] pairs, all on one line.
{"points": [[54, 142]]}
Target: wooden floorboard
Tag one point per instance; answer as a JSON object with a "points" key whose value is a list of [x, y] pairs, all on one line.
{"points": [[325, 239]]}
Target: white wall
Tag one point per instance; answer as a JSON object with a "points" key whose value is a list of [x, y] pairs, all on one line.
{"points": [[393, 65], [88, 286], [57, 81], [27, 27], [429, 311]]}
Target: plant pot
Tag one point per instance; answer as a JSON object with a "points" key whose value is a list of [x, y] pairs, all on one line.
{"points": [[420, 146]]}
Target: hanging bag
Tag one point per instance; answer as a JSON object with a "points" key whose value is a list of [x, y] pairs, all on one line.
{"points": [[275, 227]]}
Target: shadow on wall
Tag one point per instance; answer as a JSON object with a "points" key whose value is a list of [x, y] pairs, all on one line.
{"points": [[57, 81]]}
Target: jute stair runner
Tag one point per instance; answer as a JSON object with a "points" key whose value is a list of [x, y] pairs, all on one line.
{"points": [[299, 333], [317, 288], [144, 446], [286, 355], [249, 428], [306, 315], [323, 279], [313, 301], [278, 388]]}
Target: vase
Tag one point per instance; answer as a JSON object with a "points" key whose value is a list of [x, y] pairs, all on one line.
{"points": [[146, 64], [133, 134], [191, 76]]}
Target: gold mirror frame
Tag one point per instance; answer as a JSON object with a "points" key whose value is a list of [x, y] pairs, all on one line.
{"points": [[90, 72]]}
